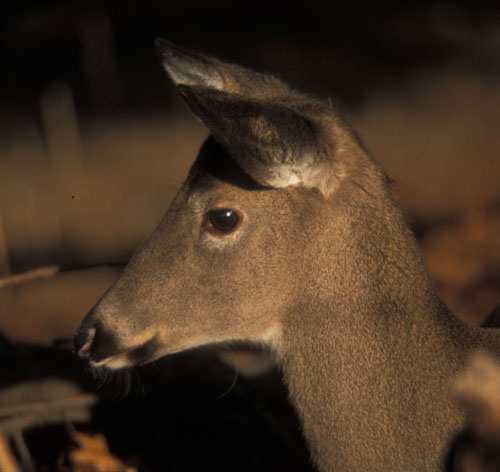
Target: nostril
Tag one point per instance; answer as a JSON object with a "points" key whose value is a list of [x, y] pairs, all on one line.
{"points": [[83, 341], [95, 342]]}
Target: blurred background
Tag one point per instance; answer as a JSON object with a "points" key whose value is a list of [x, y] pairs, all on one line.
{"points": [[94, 140]]}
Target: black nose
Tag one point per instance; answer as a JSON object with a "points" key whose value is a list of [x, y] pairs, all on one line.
{"points": [[94, 341], [83, 340], [83, 337]]}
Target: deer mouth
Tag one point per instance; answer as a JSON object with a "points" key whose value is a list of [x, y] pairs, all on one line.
{"points": [[129, 357], [112, 356]]}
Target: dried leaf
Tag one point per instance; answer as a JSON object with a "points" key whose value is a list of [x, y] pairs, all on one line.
{"points": [[92, 455]]}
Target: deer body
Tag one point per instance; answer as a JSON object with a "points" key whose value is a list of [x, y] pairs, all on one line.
{"points": [[285, 233]]}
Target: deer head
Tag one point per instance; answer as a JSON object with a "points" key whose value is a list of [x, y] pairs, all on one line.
{"points": [[224, 263]]}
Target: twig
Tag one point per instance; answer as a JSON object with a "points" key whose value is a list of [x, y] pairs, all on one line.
{"points": [[7, 461], [24, 454], [14, 419], [22, 415], [82, 399], [35, 274]]}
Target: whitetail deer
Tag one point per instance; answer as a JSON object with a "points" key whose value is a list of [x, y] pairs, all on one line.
{"points": [[285, 233]]}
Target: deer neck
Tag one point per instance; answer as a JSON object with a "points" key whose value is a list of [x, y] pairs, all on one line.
{"points": [[368, 328]]}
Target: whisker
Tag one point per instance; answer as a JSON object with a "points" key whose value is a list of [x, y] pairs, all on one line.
{"points": [[235, 377]]}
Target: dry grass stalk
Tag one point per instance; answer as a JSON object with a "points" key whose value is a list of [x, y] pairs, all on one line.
{"points": [[7, 461], [35, 274]]}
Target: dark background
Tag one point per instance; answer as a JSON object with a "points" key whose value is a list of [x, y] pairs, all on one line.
{"points": [[345, 48]]}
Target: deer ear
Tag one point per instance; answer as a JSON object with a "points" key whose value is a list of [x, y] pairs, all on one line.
{"points": [[189, 68], [272, 142]]}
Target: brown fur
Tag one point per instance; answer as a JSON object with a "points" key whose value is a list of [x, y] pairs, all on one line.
{"points": [[323, 269]]}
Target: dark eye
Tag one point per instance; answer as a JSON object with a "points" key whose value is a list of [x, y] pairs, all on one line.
{"points": [[222, 221]]}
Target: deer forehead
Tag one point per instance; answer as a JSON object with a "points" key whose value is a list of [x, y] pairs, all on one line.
{"points": [[208, 190]]}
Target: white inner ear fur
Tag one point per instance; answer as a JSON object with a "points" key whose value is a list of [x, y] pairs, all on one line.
{"points": [[324, 176], [189, 74]]}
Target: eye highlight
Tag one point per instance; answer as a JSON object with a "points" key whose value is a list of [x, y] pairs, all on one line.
{"points": [[222, 221]]}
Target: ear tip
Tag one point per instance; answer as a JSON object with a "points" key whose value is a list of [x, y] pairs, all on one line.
{"points": [[164, 48]]}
